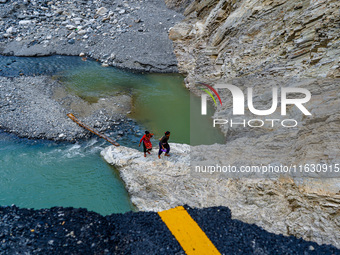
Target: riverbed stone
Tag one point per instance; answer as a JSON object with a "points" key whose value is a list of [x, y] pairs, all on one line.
{"points": [[81, 32], [72, 35], [99, 41], [102, 11], [26, 22], [11, 30]]}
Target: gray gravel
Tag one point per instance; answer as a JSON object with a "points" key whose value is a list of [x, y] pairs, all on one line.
{"points": [[126, 34], [36, 107]]}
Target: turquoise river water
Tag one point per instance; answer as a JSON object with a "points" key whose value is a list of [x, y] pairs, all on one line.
{"points": [[42, 174]]}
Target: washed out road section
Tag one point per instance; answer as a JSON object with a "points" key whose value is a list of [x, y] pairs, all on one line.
{"points": [[78, 231]]}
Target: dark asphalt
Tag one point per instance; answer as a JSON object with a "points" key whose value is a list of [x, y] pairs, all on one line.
{"points": [[236, 237], [78, 231]]}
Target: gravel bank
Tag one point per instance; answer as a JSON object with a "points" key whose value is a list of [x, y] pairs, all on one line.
{"points": [[36, 107], [77, 231], [126, 34]]}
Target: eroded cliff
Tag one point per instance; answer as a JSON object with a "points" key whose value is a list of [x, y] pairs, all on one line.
{"points": [[228, 38], [256, 44], [259, 44]]}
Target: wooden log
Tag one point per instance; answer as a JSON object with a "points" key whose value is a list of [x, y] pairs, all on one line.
{"points": [[81, 124]]}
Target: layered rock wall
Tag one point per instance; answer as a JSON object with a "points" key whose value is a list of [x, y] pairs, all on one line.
{"points": [[228, 38], [259, 44]]}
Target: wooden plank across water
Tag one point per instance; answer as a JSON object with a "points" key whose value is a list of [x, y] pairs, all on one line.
{"points": [[81, 124]]}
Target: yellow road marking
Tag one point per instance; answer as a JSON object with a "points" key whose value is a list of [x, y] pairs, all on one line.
{"points": [[187, 232]]}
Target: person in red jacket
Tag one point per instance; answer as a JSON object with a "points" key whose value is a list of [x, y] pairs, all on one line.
{"points": [[147, 145]]}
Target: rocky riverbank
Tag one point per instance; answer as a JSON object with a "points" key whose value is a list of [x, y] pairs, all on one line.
{"points": [[119, 33], [36, 107], [126, 34]]}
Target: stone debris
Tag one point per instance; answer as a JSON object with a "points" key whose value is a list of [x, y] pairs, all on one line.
{"points": [[36, 107], [102, 11], [94, 27]]}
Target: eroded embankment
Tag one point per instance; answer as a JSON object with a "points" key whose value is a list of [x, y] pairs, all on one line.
{"points": [[279, 206]]}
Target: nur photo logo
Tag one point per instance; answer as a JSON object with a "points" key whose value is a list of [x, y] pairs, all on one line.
{"points": [[287, 96]]}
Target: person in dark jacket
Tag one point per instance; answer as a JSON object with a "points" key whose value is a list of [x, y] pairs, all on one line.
{"points": [[164, 145]]}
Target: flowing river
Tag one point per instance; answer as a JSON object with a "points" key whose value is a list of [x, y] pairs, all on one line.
{"points": [[42, 174]]}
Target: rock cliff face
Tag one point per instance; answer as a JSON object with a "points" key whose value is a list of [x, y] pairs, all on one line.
{"points": [[258, 44], [278, 206], [228, 38], [255, 44]]}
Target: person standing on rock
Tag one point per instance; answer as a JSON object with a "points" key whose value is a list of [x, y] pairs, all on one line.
{"points": [[147, 145], [164, 145]]}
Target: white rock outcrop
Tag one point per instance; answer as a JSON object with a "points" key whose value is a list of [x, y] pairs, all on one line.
{"points": [[308, 210], [148, 179]]}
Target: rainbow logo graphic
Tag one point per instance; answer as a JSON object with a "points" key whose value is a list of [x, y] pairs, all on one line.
{"points": [[209, 93]]}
